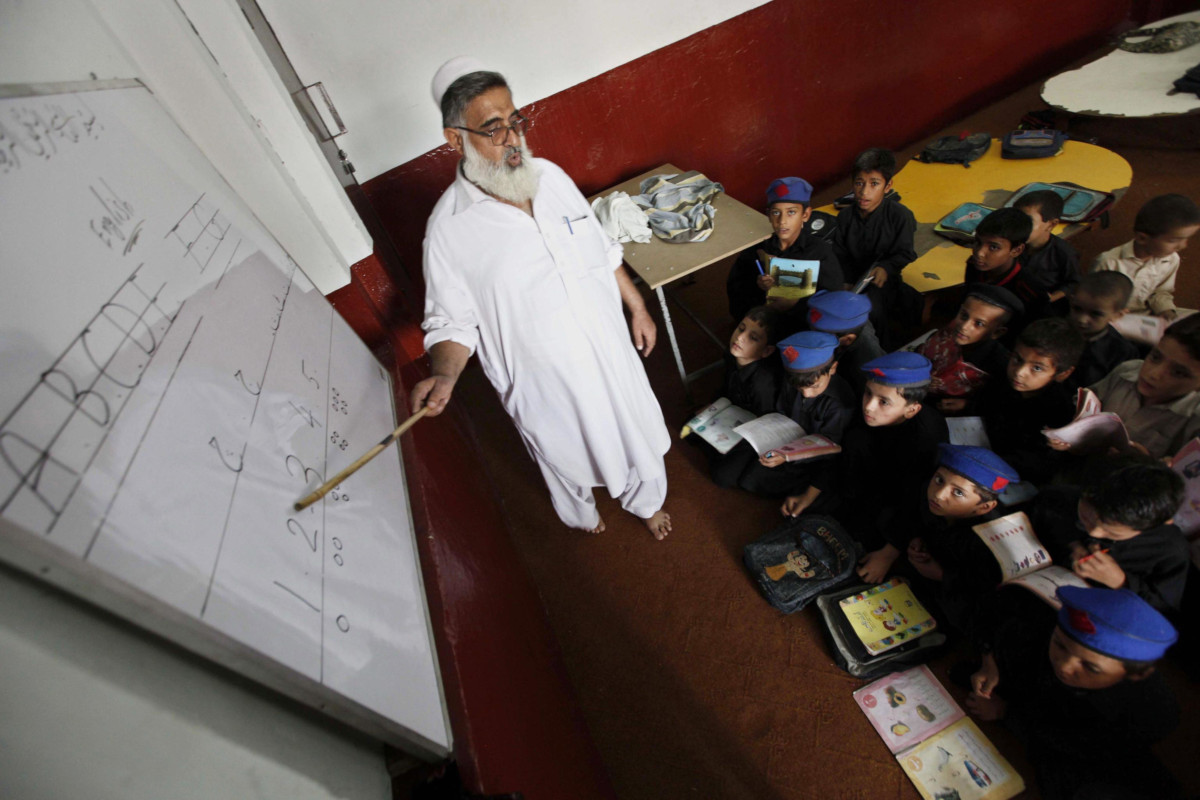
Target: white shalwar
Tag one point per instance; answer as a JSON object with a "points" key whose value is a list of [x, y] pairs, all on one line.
{"points": [[537, 298]]}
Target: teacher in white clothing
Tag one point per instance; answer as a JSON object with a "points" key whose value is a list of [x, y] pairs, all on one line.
{"points": [[518, 269]]}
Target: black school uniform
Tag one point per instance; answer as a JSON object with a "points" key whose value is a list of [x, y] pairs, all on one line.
{"points": [[1079, 739], [828, 414], [862, 351], [1155, 561], [883, 238], [1024, 285], [1055, 265], [970, 572], [1100, 356], [1014, 424], [742, 284], [754, 386], [881, 470]]}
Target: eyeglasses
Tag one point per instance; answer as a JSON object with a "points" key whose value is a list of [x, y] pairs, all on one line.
{"points": [[499, 133]]}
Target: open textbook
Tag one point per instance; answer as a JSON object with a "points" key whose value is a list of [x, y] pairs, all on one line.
{"points": [[942, 751], [1141, 328], [715, 423], [1022, 558], [1092, 430], [776, 433]]}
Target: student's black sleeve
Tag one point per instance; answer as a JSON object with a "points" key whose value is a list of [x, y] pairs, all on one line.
{"points": [[898, 252], [742, 284]]}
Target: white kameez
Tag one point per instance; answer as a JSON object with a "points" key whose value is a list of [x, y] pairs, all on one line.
{"points": [[537, 298]]}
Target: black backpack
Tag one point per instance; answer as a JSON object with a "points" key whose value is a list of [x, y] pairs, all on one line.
{"points": [[961, 149], [1039, 143], [848, 651], [800, 559]]}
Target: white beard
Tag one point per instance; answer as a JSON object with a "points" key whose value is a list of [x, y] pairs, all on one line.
{"points": [[514, 184]]}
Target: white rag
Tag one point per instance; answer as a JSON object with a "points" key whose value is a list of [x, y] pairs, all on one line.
{"points": [[621, 218]]}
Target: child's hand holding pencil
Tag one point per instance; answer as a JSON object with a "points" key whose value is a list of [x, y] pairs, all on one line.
{"points": [[1100, 567]]}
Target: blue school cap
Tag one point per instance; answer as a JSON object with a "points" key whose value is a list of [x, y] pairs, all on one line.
{"points": [[997, 296], [807, 350], [978, 464], [1114, 622], [789, 190], [838, 312], [900, 369]]}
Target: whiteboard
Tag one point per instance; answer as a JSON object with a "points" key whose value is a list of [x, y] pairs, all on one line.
{"points": [[172, 384]]}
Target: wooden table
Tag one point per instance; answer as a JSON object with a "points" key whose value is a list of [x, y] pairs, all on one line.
{"points": [[931, 191], [1123, 84], [658, 263]]}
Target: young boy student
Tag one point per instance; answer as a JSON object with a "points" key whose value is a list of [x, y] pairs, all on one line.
{"points": [[1161, 230], [1116, 529], [1090, 709], [1097, 302], [788, 208], [1033, 396], [1158, 399], [819, 401], [963, 491], [995, 259], [845, 315], [886, 454], [1052, 261], [752, 377], [874, 236], [966, 353]]}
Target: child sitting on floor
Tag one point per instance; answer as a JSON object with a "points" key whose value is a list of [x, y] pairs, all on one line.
{"points": [[999, 242], [1090, 712], [752, 377], [1097, 302], [1151, 259], [1158, 399], [845, 315], [817, 399], [1050, 260], [967, 352], [874, 236], [1124, 511], [788, 208], [1033, 397]]}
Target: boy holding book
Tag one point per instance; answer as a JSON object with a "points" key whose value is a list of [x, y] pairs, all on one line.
{"points": [[814, 397], [1090, 709], [789, 208], [1158, 398], [1098, 301], [886, 453], [1032, 397], [846, 316], [967, 352], [1116, 530], [964, 490]]}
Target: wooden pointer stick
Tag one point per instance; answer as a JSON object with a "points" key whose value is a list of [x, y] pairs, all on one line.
{"points": [[363, 459]]}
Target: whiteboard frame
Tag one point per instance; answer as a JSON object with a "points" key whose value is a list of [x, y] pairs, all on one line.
{"points": [[33, 554]]}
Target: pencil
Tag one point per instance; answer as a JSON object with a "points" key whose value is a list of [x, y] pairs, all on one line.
{"points": [[1089, 555], [363, 459]]}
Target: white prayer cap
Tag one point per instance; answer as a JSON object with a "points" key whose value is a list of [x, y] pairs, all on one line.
{"points": [[451, 71]]}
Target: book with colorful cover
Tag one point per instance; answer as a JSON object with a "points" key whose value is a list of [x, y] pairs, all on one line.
{"points": [[887, 616], [782, 435], [715, 424], [1023, 559], [795, 279], [942, 751]]}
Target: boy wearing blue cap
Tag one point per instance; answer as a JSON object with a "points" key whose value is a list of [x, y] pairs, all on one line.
{"points": [[964, 490], [874, 236], [887, 452], [845, 315], [1033, 396], [1089, 710], [817, 399], [1116, 531], [788, 208], [752, 377]]}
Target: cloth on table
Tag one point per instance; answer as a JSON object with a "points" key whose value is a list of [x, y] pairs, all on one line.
{"points": [[680, 206], [621, 218]]}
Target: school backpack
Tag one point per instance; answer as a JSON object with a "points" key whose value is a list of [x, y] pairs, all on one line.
{"points": [[821, 225], [1039, 143], [1080, 204], [959, 225], [800, 559], [850, 654], [961, 149]]}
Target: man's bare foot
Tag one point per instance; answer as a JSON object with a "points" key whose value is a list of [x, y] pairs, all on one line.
{"points": [[598, 529], [659, 524]]}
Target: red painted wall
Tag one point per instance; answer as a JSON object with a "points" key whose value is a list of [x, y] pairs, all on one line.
{"points": [[795, 87]]}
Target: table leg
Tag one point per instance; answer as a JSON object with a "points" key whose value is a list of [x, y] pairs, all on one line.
{"points": [[662, 301]]}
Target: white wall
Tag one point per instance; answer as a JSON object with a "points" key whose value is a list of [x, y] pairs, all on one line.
{"points": [[221, 91], [93, 708], [377, 58]]}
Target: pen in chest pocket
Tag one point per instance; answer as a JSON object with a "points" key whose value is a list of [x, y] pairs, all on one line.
{"points": [[569, 220]]}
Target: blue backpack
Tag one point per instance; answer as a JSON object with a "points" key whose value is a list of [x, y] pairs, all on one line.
{"points": [[801, 559], [1041, 143]]}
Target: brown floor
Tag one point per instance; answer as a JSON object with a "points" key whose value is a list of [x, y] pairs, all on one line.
{"points": [[692, 686]]}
